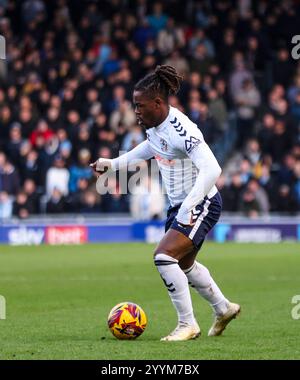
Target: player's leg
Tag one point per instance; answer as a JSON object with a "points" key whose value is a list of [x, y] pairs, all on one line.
{"points": [[198, 275], [172, 248], [200, 279]]}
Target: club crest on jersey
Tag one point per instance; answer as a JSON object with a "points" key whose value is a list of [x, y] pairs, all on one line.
{"points": [[163, 145], [191, 143]]}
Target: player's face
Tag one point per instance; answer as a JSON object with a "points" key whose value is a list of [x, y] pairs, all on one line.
{"points": [[148, 111]]}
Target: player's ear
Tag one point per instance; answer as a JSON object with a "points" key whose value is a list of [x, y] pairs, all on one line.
{"points": [[158, 102]]}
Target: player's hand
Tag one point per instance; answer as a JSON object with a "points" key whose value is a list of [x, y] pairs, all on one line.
{"points": [[190, 224], [185, 218], [101, 166]]}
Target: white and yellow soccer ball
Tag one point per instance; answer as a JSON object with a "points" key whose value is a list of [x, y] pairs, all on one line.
{"points": [[127, 320]]}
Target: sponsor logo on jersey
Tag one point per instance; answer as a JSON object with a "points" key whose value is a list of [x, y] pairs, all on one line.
{"points": [[191, 143], [165, 161]]}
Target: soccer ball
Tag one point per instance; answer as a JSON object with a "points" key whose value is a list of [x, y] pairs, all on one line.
{"points": [[127, 320]]}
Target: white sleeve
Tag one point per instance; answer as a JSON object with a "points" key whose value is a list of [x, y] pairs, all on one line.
{"points": [[141, 152], [199, 152]]}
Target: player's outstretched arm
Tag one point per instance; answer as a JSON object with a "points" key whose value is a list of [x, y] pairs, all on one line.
{"points": [[141, 152]]}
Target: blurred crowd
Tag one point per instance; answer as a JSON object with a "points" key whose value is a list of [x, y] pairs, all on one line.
{"points": [[66, 87]]}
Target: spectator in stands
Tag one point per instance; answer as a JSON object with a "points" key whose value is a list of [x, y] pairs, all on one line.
{"points": [[266, 131], [134, 137], [245, 171], [239, 77], [282, 67], [179, 62], [57, 177], [259, 194], [235, 192], [286, 202], [122, 117], [170, 38], [114, 201], [56, 202], [198, 37], [83, 138], [65, 145], [157, 20], [227, 49], [21, 207], [14, 143], [249, 205], [9, 177], [247, 99], [54, 118], [286, 170], [6, 205], [147, 202], [89, 203], [294, 89], [33, 197], [80, 170], [269, 184], [217, 109], [5, 121], [280, 142], [26, 119], [295, 108], [41, 134], [74, 199], [30, 164], [253, 152], [207, 124], [200, 60]]}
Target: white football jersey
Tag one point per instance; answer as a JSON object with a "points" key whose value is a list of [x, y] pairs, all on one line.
{"points": [[188, 167], [175, 144]]}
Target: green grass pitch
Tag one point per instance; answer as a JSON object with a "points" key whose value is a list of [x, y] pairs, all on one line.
{"points": [[58, 299]]}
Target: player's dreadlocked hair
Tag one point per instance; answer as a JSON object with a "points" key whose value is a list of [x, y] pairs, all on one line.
{"points": [[164, 81]]}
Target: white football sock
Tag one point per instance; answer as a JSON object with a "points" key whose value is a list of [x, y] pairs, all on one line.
{"points": [[177, 285], [199, 278]]}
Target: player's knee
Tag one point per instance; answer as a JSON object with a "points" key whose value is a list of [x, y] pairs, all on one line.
{"points": [[161, 260], [164, 251]]}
